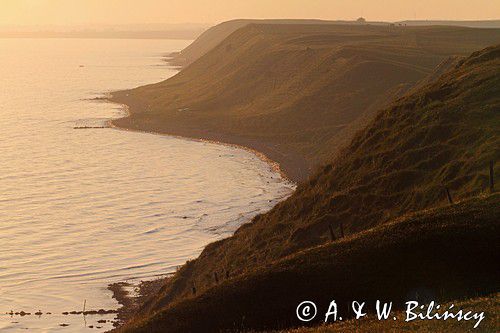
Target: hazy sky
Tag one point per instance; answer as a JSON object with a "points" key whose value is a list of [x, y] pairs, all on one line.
{"points": [[77, 12]]}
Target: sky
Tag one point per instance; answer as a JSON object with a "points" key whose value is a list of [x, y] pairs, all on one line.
{"points": [[122, 12]]}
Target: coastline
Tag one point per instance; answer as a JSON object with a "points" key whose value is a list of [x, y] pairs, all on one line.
{"points": [[129, 303], [291, 168]]}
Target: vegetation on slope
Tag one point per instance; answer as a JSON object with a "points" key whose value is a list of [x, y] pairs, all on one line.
{"points": [[295, 92], [441, 136], [440, 254]]}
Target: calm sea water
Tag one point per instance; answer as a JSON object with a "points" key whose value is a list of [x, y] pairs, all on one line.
{"points": [[80, 209]]}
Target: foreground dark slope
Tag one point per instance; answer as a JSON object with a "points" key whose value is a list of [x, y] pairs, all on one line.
{"points": [[441, 254], [295, 92], [443, 135]]}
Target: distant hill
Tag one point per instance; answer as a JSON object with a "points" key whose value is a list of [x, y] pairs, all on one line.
{"points": [[470, 24], [296, 92], [438, 140]]}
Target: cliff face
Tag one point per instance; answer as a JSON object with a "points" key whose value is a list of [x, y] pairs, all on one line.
{"points": [[296, 92], [441, 136]]}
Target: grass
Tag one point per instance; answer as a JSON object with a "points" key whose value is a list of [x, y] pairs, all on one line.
{"points": [[440, 254]]}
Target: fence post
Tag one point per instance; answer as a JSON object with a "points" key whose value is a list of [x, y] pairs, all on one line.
{"points": [[194, 289], [492, 177], [448, 195], [332, 235]]}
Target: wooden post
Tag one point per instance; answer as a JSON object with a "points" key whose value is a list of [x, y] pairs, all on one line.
{"points": [[492, 177], [448, 195], [341, 230], [332, 235], [194, 289]]}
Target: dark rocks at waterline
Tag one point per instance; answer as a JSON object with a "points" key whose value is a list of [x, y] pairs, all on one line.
{"points": [[66, 313], [100, 312], [89, 127], [91, 312]]}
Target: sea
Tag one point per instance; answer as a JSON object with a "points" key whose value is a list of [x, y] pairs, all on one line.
{"points": [[83, 205]]}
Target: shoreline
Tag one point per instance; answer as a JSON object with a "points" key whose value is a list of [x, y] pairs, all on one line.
{"points": [[130, 303], [289, 173]]}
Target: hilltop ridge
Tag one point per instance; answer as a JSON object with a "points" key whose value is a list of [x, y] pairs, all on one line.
{"points": [[216, 34]]}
